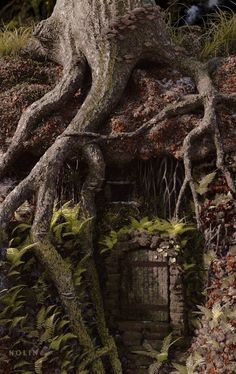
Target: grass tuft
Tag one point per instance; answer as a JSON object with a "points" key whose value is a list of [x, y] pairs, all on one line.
{"points": [[220, 39], [216, 37], [12, 41]]}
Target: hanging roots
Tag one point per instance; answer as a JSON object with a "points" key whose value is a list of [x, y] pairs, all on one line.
{"points": [[161, 179]]}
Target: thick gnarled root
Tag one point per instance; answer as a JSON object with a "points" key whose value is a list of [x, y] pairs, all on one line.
{"points": [[92, 185], [45, 106], [208, 126], [42, 181]]}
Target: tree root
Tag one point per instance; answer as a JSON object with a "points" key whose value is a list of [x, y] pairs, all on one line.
{"points": [[56, 266], [50, 102], [93, 357], [92, 185], [208, 124], [42, 180], [190, 102]]}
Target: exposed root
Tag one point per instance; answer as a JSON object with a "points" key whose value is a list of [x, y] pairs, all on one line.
{"points": [[91, 186], [220, 154], [50, 102], [93, 357], [208, 124], [42, 180], [191, 102], [62, 278], [56, 266]]}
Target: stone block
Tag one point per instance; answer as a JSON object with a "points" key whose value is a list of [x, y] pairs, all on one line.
{"points": [[176, 298], [130, 325], [162, 328], [131, 338], [154, 335], [140, 361]]}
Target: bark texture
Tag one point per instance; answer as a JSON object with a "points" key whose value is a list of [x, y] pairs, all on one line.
{"points": [[108, 38]]}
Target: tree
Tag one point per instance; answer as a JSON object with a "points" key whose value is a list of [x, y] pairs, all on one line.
{"points": [[109, 38]]}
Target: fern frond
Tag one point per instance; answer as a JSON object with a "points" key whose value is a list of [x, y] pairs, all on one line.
{"points": [[59, 340], [146, 354], [203, 184]]}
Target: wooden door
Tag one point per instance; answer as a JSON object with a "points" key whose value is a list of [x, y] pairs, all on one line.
{"points": [[144, 286]]}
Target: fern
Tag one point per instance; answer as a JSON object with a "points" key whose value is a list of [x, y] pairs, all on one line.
{"points": [[72, 225], [49, 326], [21, 364], [38, 365], [192, 363], [14, 255], [109, 241], [13, 295], [214, 315], [159, 356], [143, 224], [77, 275], [45, 323], [202, 185], [59, 340]]}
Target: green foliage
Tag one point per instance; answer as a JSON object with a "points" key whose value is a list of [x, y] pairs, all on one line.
{"points": [[217, 36], [13, 40], [31, 311], [79, 270], [220, 39], [202, 185], [174, 229], [192, 363], [110, 240], [159, 357], [66, 224], [214, 315]]}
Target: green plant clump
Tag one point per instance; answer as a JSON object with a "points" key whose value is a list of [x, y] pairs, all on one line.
{"points": [[160, 357], [220, 38], [217, 37], [171, 228], [12, 41]]}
